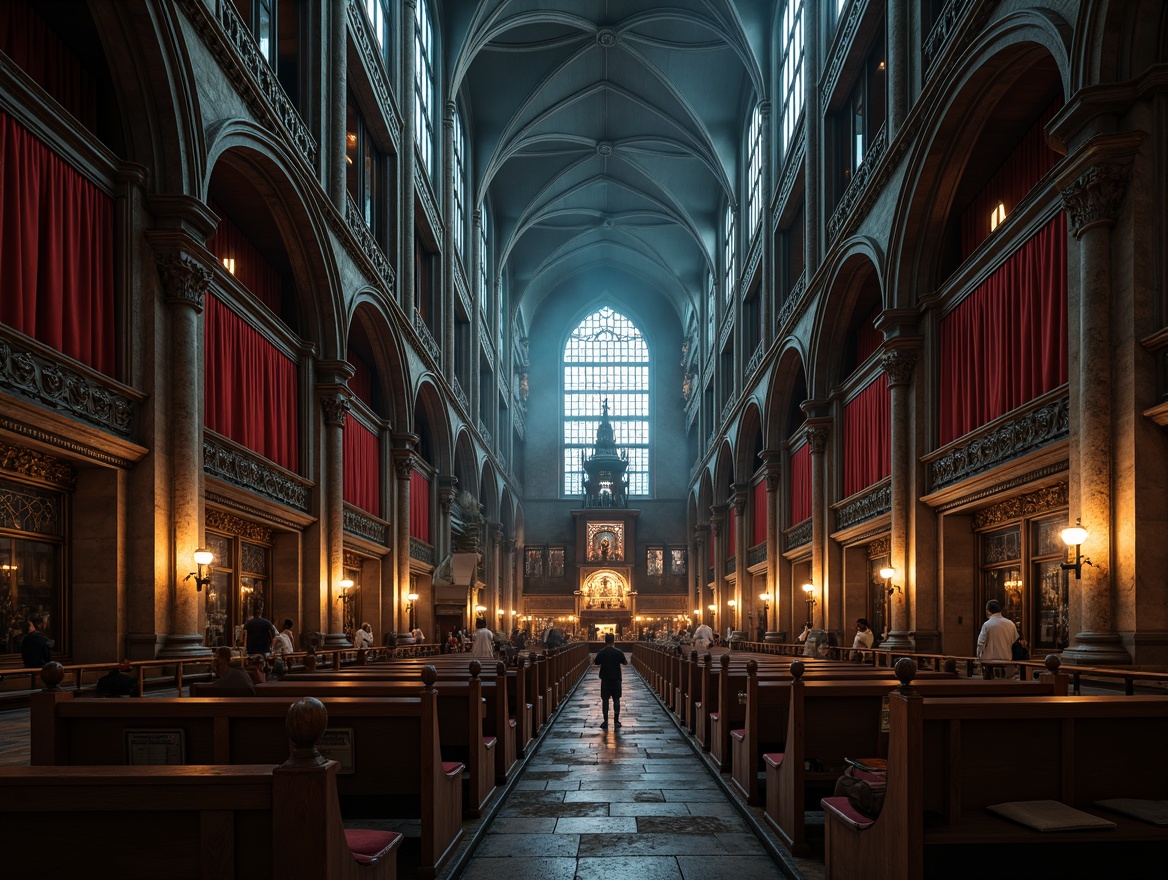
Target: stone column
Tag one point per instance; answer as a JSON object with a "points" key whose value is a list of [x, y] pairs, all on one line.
{"points": [[898, 366], [739, 493], [334, 397], [509, 546], [403, 460], [812, 121], [896, 65], [1093, 203], [406, 235], [818, 432], [334, 135], [494, 574], [449, 257], [717, 524], [184, 280], [774, 468], [766, 292], [701, 545]]}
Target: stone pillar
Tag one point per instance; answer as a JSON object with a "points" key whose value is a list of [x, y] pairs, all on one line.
{"points": [[406, 234], [701, 546], [818, 432], [767, 288], [898, 366], [335, 128], [403, 460], [812, 122], [774, 468], [449, 257], [184, 280], [739, 493], [334, 397], [1093, 203], [494, 574], [509, 546], [896, 65], [717, 526]]}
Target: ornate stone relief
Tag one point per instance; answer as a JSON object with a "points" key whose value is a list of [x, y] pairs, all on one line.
{"points": [[370, 249], [252, 474], [363, 526], [898, 364], [873, 504], [880, 547], [221, 521], [335, 407], [1024, 506], [184, 279], [1096, 196], [799, 535], [29, 463]]}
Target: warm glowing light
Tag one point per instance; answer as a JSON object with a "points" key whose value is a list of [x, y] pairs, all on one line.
{"points": [[766, 597], [887, 573], [997, 216], [712, 607], [204, 557], [229, 264], [809, 588], [345, 583], [1073, 535], [479, 609], [732, 603], [412, 597]]}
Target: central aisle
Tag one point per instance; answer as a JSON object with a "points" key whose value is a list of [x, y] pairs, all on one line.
{"points": [[634, 803]]}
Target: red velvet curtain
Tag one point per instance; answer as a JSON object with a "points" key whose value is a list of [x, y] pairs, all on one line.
{"points": [[36, 49], [1006, 343], [362, 382], [228, 242], [799, 496], [420, 507], [1023, 168], [758, 534], [251, 391], [867, 437], [362, 482], [56, 251], [868, 338]]}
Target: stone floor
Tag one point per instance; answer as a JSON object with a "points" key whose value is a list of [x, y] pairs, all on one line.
{"points": [[630, 803]]}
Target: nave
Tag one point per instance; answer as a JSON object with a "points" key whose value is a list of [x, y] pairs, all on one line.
{"points": [[638, 802]]}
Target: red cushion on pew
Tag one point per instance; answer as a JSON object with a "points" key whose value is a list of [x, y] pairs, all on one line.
{"points": [[738, 734], [843, 808], [489, 742], [774, 759], [713, 716], [451, 768], [368, 845]]}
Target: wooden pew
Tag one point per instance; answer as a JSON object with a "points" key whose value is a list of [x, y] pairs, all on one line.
{"points": [[825, 721], [397, 769], [950, 758], [145, 822]]}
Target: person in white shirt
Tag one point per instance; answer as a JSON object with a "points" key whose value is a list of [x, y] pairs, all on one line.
{"points": [[282, 643], [418, 637], [483, 643], [703, 636], [363, 638], [997, 637], [864, 638]]}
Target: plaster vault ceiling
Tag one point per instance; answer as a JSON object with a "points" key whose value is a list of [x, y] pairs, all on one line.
{"points": [[605, 135]]}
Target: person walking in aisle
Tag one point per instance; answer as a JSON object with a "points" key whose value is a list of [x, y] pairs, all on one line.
{"points": [[610, 660]]}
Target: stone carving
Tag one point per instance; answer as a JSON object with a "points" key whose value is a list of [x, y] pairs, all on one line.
{"points": [[898, 364], [876, 502], [356, 523], [878, 547], [791, 303], [221, 521], [1096, 196], [421, 551], [982, 451], [403, 463], [370, 249], [817, 438], [756, 554], [466, 523], [798, 536], [184, 279], [860, 180], [843, 45], [336, 407], [430, 348], [359, 27], [755, 360], [1030, 504], [29, 463], [252, 473]]}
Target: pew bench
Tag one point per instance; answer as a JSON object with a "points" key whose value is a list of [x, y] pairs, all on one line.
{"points": [[951, 758]]}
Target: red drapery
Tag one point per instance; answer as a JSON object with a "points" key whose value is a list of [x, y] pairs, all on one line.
{"points": [[27, 39], [251, 389], [228, 243], [1006, 343], [362, 467], [868, 338], [419, 507], [758, 534], [867, 437], [1023, 168], [56, 251], [800, 490], [362, 382]]}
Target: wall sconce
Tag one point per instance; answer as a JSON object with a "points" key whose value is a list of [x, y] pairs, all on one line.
{"points": [[733, 606], [479, 609], [809, 589], [766, 601], [345, 584], [1074, 536], [411, 598], [888, 574], [203, 560], [713, 610]]}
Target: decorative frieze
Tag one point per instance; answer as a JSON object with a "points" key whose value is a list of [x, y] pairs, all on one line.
{"points": [[752, 262], [756, 554], [370, 249], [727, 326], [847, 33], [484, 433], [792, 163], [40, 377], [429, 347], [423, 192], [731, 564], [365, 42], [356, 523], [26, 462], [520, 422], [1096, 196], [943, 28], [421, 551], [981, 451], [787, 309], [755, 361], [881, 546], [222, 521], [728, 408], [351, 560], [869, 506], [459, 394], [252, 473], [798, 536], [860, 180], [1031, 504]]}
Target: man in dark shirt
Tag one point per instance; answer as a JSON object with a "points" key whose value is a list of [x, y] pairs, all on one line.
{"points": [[34, 649], [610, 660], [260, 632], [231, 681]]}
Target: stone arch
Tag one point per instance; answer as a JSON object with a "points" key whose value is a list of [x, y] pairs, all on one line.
{"points": [[854, 290], [787, 392], [371, 334], [432, 426]]}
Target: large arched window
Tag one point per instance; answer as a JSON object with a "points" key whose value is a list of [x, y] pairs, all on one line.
{"points": [[606, 359]]}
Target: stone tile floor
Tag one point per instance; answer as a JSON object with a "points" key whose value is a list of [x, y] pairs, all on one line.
{"points": [[630, 803]]}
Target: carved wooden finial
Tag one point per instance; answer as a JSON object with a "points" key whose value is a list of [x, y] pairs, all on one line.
{"points": [[52, 674], [1052, 663], [476, 668], [306, 720], [725, 661], [429, 676], [906, 670], [798, 667], [752, 668], [500, 667]]}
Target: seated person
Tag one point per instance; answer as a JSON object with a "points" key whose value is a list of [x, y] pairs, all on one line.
{"points": [[864, 638], [231, 681], [256, 669], [118, 682]]}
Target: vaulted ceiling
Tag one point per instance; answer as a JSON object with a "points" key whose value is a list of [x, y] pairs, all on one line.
{"points": [[605, 134]]}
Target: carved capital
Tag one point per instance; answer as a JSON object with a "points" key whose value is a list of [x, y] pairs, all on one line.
{"points": [[404, 465], [184, 279], [1095, 196], [898, 364], [772, 481], [738, 498], [817, 438], [335, 405], [764, 110]]}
